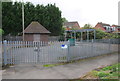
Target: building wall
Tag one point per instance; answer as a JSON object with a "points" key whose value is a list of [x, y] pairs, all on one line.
{"points": [[99, 26], [76, 26], [44, 37], [28, 37]]}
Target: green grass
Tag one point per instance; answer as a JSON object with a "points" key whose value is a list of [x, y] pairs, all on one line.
{"points": [[108, 72], [52, 65]]}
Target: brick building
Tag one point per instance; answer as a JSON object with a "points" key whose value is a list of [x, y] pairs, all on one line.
{"points": [[117, 29], [107, 28], [36, 32], [104, 27]]}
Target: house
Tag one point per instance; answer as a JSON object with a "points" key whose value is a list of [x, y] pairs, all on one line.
{"points": [[116, 29], [36, 32], [107, 28], [104, 27], [71, 25]]}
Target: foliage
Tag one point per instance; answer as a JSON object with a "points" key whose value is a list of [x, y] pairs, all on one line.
{"points": [[1, 31], [115, 35], [99, 33], [109, 72], [91, 34], [49, 16], [64, 20], [103, 35], [87, 26]]}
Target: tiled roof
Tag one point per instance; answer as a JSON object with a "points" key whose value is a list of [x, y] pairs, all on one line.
{"points": [[104, 24], [115, 26], [36, 27], [70, 23]]}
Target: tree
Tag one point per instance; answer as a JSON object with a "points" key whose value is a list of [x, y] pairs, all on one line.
{"points": [[1, 32], [87, 26], [53, 20], [100, 34], [104, 35], [49, 16], [64, 20], [7, 17]]}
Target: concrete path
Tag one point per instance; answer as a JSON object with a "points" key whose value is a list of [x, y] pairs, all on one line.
{"points": [[68, 71]]}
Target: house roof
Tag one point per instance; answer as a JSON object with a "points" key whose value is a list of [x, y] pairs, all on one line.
{"points": [[103, 24], [115, 26], [70, 23], [74, 25], [36, 27]]}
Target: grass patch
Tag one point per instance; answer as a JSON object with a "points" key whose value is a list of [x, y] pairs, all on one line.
{"points": [[52, 65], [108, 72]]}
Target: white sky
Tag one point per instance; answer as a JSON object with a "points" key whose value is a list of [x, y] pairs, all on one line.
{"points": [[85, 11]]}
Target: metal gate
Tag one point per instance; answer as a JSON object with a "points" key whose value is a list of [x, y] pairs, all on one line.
{"points": [[19, 52]]}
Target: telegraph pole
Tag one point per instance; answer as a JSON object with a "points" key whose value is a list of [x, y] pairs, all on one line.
{"points": [[23, 18]]}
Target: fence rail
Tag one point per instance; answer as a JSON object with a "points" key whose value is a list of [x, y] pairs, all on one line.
{"points": [[18, 52]]}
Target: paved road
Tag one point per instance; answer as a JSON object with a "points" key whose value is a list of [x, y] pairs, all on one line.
{"points": [[68, 71]]}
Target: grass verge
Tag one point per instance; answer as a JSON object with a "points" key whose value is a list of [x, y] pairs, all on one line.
{"points": [[108, 72]]}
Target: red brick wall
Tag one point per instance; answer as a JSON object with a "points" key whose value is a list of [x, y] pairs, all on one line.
{"points": [[99, 26], [44, 37], [28, 37]]}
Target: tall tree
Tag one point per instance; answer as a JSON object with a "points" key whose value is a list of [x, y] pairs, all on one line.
{"points": [[64, 20], [7, 17], [49, 16]]}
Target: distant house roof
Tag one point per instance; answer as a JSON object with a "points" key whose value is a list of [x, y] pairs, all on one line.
{"points": [[73, 25], [115, 26], [103, 24], [36, 27]]}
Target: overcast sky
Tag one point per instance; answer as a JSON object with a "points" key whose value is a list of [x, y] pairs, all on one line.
{"points": [[85, 11]]}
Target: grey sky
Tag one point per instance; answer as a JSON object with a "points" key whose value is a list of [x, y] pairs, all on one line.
{"points": [[85, 11]]}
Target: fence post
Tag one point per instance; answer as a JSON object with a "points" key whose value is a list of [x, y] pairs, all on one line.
{"points": [[92, 48], [5, 52], [38, 50], [68, 54], [109, 45]]}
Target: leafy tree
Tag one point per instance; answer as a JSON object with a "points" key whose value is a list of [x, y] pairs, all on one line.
{"points": [[104, 35], [64, 20], [1, 31], [87, 26], [54, 19], [7, 17], [49, 16], [100, 34]]}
